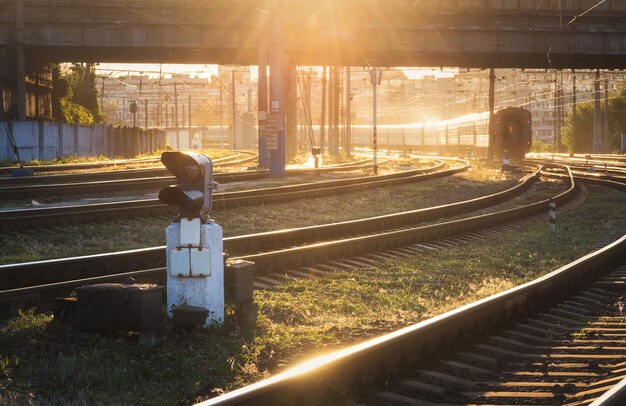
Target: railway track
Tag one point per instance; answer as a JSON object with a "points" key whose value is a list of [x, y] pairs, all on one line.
{"points": [[52, 192], [40, 281], [553, 341], [22, 219], [81, 166], [138, 173]]}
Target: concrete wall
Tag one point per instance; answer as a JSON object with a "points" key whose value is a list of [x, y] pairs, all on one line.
{"points": [[45, 141]]}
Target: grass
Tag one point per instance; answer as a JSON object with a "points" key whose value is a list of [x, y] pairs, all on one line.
{"points": [[140, 233], [76, 159], [46, 361]]}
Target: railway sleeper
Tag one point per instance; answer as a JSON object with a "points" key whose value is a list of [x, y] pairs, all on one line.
{"points": [[562, 356]]}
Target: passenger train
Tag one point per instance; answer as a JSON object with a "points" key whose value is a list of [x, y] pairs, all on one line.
{"points": [[513, 133]]}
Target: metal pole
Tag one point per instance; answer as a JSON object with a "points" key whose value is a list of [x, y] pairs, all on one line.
{"points": [[574, 106], [20, 60], [323, 113], [189, 119], [492, 102], [145, 107], [233, 143], [348, 134], [555, 114], [102, 95], [336, 97], [597, 115], [176, 116], [374, 79], [221, 116], [606, 116]]}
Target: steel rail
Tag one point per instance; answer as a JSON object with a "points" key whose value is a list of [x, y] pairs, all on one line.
{"points": [[307, 235], [324, 251], [376, 360], [51, 271], [52, 216], [588, 180], [137, 173], [78, 166], [98, 265], [133, 183], [156, 182], [103, 164]]}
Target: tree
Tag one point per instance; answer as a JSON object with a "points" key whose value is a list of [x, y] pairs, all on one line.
{"points": [[79, 105], [578, 134]]}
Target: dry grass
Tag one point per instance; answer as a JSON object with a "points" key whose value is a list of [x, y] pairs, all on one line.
{"points": [[140, 233]]}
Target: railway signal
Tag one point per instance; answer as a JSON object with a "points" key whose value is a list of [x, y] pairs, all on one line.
{"points": [[193, 193], [195, 264]]}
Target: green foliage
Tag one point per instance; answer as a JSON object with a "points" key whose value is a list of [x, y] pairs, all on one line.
{"points": [[540, 146], [578, 134], [75, 113], [80, 103]]}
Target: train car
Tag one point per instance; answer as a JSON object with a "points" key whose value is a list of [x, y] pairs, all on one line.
{"points": [[513, 132], [457, 136]]}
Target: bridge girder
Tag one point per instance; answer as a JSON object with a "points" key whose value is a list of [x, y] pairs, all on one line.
{"points": [[325, 33]]}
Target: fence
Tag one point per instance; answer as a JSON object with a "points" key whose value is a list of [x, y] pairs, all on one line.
{"points": [[46, 141]]}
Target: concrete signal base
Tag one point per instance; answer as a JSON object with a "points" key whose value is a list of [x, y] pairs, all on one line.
{"points": [[195, 277]]}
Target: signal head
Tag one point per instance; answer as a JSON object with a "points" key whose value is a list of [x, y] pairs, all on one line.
{"points": [[194, 174]]}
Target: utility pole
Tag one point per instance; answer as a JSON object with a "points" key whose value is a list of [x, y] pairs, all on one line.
{"points": [[20, 60], [375, 79], [176, 116], [597, 115], [145, 107], [330, 91], [606, 116], [323, 113], [233, 143], [167, 112], [573, 98], [336, 97], [348, 134], [102, 95], [555, 114], [492, 125], [189, 119], [221, 116]]}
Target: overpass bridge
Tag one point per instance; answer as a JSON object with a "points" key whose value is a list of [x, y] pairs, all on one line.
{"points": [[460, 33]]}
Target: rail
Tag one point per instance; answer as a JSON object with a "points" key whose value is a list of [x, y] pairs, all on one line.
{"points": [[349, 368]]}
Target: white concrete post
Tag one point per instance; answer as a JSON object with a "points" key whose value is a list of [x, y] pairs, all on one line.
{"points": [[195, 267]]}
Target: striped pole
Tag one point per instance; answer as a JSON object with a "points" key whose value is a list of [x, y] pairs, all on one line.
{"points": [[552, 215]]}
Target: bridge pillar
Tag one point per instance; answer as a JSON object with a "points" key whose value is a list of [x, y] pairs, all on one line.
{"points": [[275, 135]]}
